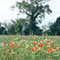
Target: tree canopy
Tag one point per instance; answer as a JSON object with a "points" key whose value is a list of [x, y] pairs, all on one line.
{"points": [[34, 9]]}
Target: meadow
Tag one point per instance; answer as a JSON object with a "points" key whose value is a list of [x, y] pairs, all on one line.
{"points": [[16, 47]]}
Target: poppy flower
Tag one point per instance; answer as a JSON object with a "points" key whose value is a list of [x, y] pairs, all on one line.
{"points": [[36, 48], [40, 45], [7, 50], [11, 44], [32, 48], [35, 43], [34, 38], [50, 48], [16, 46], [47, 41]]}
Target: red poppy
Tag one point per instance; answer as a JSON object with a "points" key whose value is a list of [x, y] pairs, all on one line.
{"points": [[16, 46], [32, 48], [36, 48], [34, 38], [35, 43], [40, 45], [7, 50], [11, 44], [47, 41], [50, 48]]}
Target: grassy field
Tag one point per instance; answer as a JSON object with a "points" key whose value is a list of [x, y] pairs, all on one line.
{"points": [[29, 47]]}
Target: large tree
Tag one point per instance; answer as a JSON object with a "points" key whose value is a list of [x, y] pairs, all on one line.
{"points": [[34, 9]]}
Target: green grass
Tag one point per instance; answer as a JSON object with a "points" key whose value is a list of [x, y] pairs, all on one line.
{"points": [[23, 52]]}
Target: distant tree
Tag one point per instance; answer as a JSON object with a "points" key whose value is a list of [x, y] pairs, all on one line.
{"points": [[3, 30], [19, 24], [12, 29], [34, 9], [55, 28]]}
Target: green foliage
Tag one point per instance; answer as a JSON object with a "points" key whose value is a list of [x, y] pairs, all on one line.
{"points": [[55, 28], [2, 29], [18, 24], [33, 9]]}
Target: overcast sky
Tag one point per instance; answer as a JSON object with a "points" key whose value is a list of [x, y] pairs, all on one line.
{"points": [[6, 14]]}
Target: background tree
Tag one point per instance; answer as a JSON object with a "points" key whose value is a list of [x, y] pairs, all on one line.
{"points": [[20, 25], [46, 28], [2, 29], [34, 9], [55, 28]]}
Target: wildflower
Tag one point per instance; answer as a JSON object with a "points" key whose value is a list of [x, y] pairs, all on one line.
{"points": [[34, 38], [47, 41], [40, 45], [11, 44], [36, 48], [22, 40], [16, 46], [32, 48], [57, 48], [35, 43], [7, 50], [50, 48]]}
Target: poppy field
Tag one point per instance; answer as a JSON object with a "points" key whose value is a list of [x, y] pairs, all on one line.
{"points": [[16, 47]]}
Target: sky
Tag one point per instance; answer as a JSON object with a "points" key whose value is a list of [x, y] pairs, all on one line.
{"points": [[6, 14]]}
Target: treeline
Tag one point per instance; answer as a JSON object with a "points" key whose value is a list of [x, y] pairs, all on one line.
{"points": [[21, 26]]}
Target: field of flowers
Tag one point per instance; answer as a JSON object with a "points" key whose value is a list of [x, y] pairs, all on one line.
{"points": [[29, 47]]}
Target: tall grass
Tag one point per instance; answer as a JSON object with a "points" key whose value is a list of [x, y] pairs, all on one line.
{"points": [[25, 43]]}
